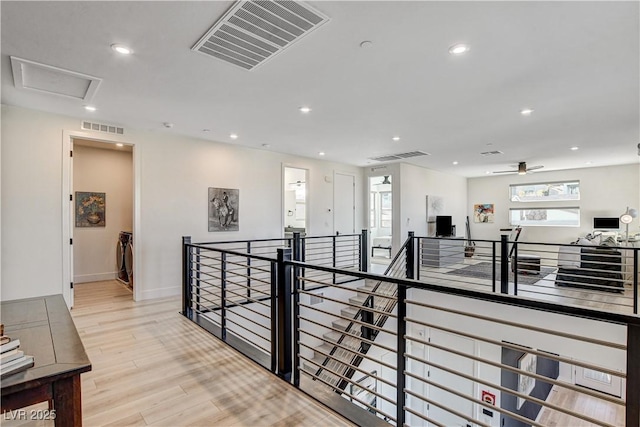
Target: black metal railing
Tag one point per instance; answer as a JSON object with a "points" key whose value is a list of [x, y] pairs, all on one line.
{"points": [[592, 276], [386, 373]]}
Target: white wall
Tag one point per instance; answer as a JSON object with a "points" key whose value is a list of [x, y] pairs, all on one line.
{"points": [[419, 182], [174, 174], [110, 172], [411, 185], [604, 191]]}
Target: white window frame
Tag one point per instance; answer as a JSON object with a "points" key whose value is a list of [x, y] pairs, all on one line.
{"points": [[545, 199], [545, 223]]}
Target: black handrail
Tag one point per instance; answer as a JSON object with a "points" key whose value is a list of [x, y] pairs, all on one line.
{"points": [[516, 301]]}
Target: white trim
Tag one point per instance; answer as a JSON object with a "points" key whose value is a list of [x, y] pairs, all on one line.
{"points": [[67, 209], [84, 278], [160, 293]]}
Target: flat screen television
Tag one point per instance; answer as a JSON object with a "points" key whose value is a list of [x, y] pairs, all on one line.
{"points": [[443, 226], [602, 223]]}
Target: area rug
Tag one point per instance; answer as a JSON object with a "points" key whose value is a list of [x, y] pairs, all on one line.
{"points": [[483, 270]]}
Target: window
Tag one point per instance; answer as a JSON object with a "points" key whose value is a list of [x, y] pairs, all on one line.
{"points": [[545, 192], [385, 209], [563, 217]]}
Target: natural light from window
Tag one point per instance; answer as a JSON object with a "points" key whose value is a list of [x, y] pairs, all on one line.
{"points": [[545, 192], [559, 217]]}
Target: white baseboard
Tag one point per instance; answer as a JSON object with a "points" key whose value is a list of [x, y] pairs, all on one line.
{"points": [[160, 293], [84, 278]]}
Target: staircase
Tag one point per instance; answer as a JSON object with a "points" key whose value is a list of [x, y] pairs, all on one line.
{"points": [[334, 360]]}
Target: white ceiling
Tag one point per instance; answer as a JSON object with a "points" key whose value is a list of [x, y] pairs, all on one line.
{"points": [[575, 63]]}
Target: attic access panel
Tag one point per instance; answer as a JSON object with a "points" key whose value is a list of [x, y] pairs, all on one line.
{"points": [[53, 80], [252, 32]]}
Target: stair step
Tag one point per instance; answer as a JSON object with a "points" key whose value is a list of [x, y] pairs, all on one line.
{"points": [[341, 324], [332, 336], [310, 367], [349, 312], [357, 300], [324, 348]]}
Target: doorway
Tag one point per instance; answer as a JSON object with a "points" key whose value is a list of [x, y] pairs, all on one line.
{"points": [[294, 196], [344, 206], [380, 219], [98, 223]]}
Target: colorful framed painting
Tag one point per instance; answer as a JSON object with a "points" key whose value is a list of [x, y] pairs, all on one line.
{"points": [[91, 209], [483, 212]]}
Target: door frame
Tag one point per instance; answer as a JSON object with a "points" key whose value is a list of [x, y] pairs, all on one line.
{"points": [[307, 179], [354, 199], [68, 209]]}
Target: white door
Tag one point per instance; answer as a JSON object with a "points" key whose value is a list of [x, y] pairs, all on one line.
{"points": [[452, 381], [600, 381], [344, 214]]}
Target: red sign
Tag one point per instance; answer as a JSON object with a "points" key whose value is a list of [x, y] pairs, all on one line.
{"points": [[488, 397]]}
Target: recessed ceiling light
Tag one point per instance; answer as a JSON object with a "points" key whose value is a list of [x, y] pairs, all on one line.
{"points": [[526, 111], [366, 43], [575, 148], [459, 49], [89, 108], [168, 125], [206, 130], [119, 144], [305, 110], [121, 49], [588, 163], [396, 138], [266, 145], [321, 153], [233, 136], [487, 172], [455, 162]]}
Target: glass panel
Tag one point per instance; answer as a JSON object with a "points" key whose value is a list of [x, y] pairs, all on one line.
{"points": [[385, 209], [561, 217], [545, 192]]}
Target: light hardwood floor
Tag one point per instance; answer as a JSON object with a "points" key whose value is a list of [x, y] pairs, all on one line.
{"points": [[578, 402], [151, 366]]}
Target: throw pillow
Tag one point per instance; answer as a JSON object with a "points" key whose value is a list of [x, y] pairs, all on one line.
{"points": [[609, 241]]}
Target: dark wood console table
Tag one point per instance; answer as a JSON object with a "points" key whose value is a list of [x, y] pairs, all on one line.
{"points": [[47, 332]]}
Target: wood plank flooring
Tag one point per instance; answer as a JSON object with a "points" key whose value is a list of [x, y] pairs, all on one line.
{"points": [[151, 366], [578, 402]]}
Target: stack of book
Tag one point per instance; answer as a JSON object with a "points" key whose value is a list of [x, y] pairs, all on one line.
{"points": [[12, 359]]}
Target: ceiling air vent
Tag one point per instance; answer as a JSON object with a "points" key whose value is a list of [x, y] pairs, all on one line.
{"points": [[491, 153], [102, 128], [252, 32], [400, 156]]}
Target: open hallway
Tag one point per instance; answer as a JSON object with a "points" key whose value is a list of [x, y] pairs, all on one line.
{"points": [[151, 366]]}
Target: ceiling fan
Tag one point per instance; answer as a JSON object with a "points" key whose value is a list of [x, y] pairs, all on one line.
{"points": [[522, 169]]}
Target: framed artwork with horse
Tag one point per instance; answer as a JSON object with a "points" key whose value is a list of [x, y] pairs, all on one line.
{"points": [[223, 209]]}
